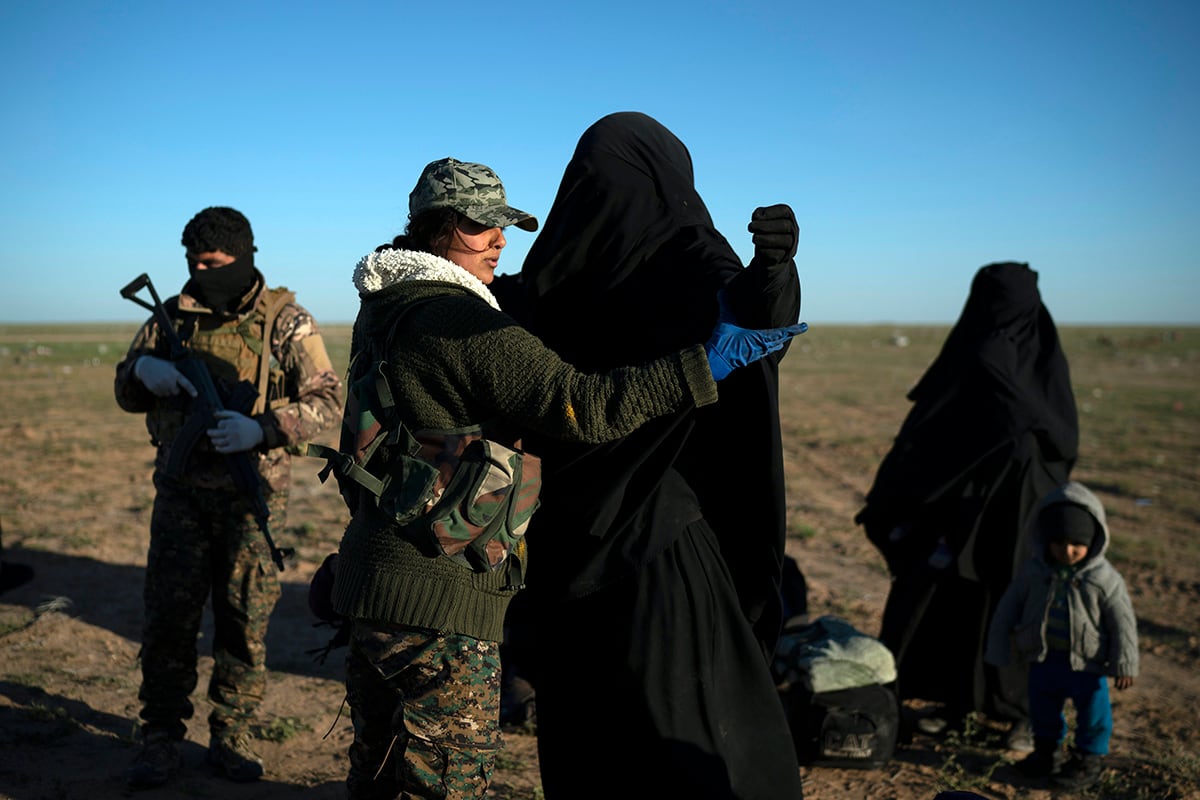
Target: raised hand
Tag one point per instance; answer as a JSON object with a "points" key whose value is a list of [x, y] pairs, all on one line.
{"points": [[776, 234]]}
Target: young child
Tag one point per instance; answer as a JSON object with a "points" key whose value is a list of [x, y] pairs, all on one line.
{"points": [[1068, 613]]}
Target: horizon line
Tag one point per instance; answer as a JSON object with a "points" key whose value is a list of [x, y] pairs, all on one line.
{"points": [[843, 323]]}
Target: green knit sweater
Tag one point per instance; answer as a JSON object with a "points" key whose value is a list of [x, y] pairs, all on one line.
{"points": [[456, 361]]}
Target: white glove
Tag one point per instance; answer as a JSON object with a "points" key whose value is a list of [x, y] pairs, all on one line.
{"points": [[161, 377], [234, 432]]}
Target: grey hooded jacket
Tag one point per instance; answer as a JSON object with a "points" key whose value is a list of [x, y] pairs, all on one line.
{"points": [[1103, 627]]}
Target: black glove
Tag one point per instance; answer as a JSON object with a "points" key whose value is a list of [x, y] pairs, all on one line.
{"points": [[776, 233]]}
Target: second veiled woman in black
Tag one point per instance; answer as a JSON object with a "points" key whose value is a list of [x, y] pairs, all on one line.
{"points": [[655, 560], [993, 427]]}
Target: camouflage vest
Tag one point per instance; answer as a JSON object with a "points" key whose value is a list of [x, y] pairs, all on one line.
{"points": [[233, 350], [453, 493]]}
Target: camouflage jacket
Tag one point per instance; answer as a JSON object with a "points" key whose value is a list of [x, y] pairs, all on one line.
{"points": [[303, 392]]}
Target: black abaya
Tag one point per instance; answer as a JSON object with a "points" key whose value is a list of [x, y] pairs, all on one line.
{"points": [[655, 560], [992, 429]]}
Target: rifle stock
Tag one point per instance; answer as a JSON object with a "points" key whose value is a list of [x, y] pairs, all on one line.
{"points": [[204, 405]]}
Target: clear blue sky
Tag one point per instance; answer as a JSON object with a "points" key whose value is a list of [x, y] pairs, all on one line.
{"points": [[916, 141]]}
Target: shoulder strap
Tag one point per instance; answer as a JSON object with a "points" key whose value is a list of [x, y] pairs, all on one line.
{"points": [[278, 298], [185, 321], [346, 460]]}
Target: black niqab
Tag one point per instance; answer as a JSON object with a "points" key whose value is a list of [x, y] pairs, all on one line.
{"points": [[655, 560], [627, 268]]}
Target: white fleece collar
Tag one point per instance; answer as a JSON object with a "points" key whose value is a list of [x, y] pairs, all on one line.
{"points": [[377, 271]]}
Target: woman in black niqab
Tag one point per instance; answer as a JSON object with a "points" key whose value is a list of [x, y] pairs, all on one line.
{"points": [[993, 427], [655, 561]]}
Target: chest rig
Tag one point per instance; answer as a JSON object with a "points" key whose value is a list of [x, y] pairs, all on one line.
{"points": [[237, 352]]}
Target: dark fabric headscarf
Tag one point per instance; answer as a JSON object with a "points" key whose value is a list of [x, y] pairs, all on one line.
{"points": [[1001, 374], [1006, 332], [627, 268], [627, 190], [626, 203]]}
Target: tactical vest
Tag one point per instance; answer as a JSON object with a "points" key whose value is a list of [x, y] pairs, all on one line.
{"points": [[457, 493], [232, 349]]}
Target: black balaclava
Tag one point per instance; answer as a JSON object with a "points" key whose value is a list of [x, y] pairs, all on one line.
{"points": [[223, 229], [221, 288]]}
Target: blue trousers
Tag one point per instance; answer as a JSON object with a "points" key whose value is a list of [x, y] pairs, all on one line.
{"points": [[1051, 683]]}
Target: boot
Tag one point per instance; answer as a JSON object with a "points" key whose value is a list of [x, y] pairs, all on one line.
{"points": [[232, 757], [1081, 771], [155, 763], [1046, 759]]}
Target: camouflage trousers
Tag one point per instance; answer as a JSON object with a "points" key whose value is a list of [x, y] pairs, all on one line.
{"points": [[426, 712], [202, 543]]}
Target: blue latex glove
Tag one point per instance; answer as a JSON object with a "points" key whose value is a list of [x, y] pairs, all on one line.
{"points": [[234, 432], [161, 377], [731, 347]]}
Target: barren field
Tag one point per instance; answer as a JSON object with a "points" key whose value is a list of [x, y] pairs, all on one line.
{"points": [[75, 497]]}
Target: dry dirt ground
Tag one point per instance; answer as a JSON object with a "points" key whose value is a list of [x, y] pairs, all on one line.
{"points": [[75, 496]]}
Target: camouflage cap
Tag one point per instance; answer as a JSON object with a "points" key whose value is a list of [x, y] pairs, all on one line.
{"points": [[473, 190]]}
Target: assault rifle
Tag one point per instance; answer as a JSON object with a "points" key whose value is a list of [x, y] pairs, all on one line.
{"points": [[206, 402]]}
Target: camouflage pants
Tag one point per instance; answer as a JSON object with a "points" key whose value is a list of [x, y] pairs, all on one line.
{"points": [[427, 703], [206, 542]]}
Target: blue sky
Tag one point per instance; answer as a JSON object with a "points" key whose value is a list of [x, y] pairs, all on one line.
{"points": [[916, 141]]}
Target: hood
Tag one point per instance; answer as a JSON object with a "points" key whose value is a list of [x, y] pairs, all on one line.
{"points": [[390, 279], [1080, 495], [380, 270]]}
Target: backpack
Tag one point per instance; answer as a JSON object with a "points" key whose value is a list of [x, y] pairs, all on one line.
{"points": [[850, 728], [837, 686], [453, 493]]}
